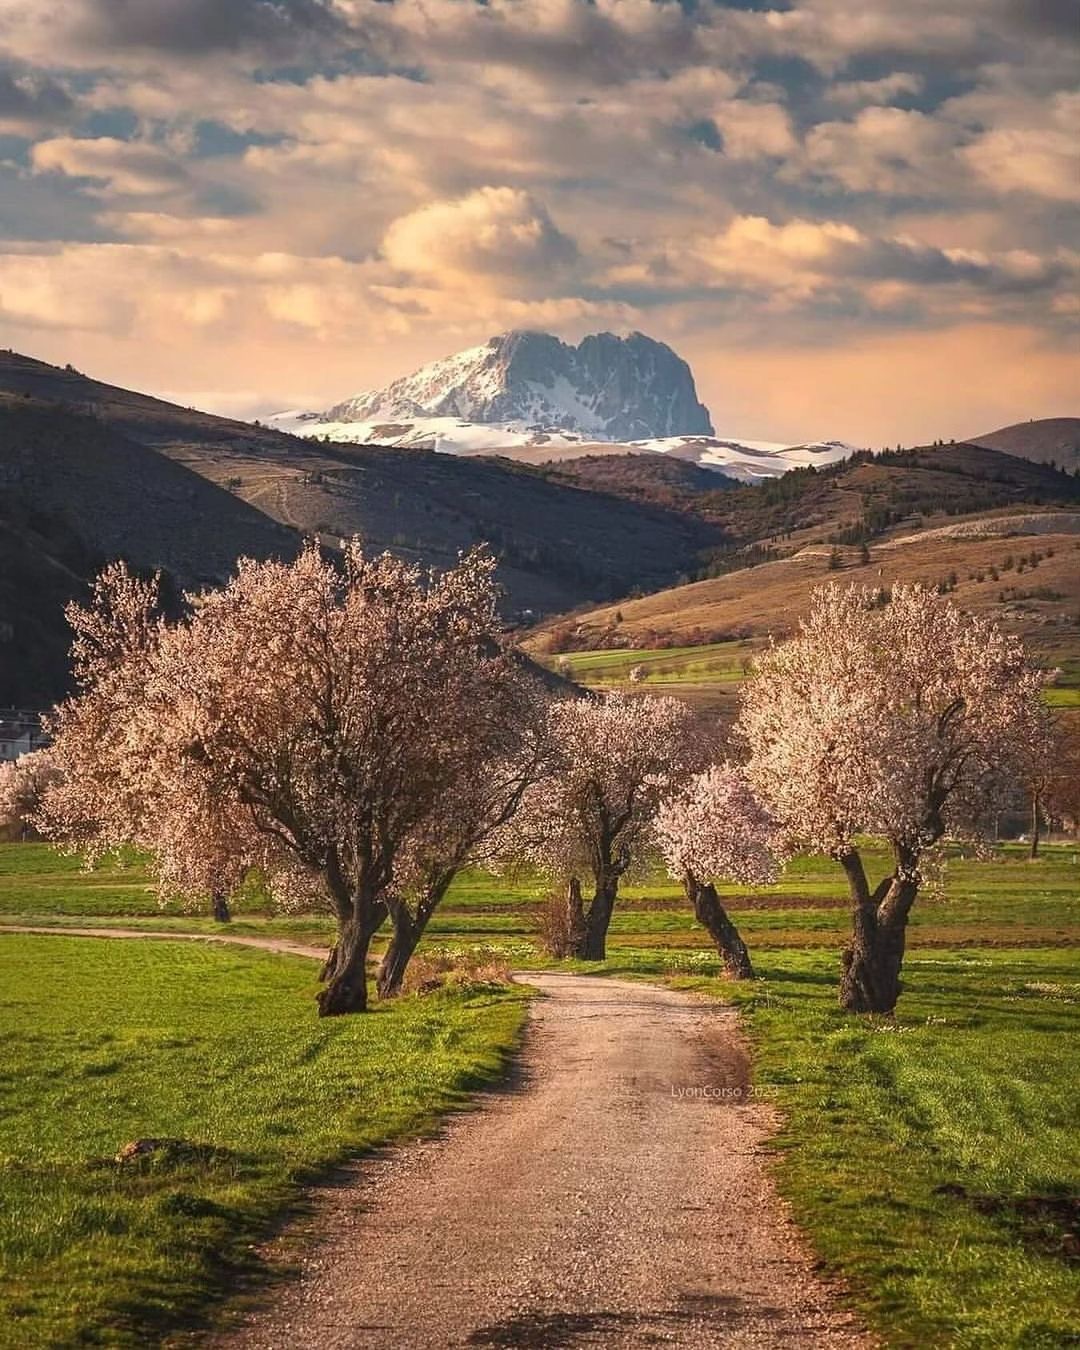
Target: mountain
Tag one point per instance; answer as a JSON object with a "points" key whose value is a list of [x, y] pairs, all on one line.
{"points": [[607, 387], [749, 461], [531, 398], [1046, 440], [77, 494]]}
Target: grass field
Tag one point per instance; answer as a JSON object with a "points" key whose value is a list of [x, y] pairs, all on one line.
{"points": [[934, 1160], [711, 674], [107, 1042]]}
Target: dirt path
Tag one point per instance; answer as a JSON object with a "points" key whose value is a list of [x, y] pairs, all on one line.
{"points": [[596, 1200], [267, 944]]}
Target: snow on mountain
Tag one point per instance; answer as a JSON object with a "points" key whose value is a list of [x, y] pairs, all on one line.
{"points": [[449, 435], [607, 387], [749, 461], [523, 392]]}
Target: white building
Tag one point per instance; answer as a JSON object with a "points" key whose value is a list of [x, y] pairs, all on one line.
{"points": [[20, 732]]}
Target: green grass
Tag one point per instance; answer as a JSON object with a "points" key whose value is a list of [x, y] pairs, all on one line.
{"points": [[105, 1042], [712, 663], [719, 665], [997, 900], [935, 1160]]}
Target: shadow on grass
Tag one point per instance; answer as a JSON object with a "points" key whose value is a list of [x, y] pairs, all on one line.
{"points": [[1048, 1224]]}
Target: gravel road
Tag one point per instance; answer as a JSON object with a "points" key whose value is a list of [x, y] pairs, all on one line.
{"points": [[600, 1198]]}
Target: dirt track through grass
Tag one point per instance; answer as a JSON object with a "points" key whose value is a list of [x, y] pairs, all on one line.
{"points": [[615, 1193]]}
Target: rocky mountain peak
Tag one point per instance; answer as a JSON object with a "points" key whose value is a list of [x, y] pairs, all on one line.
{"points": [[607, 387]]}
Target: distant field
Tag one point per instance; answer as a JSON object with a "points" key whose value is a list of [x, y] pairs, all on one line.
{"points": [[106, 1042], [1003, 901], [712, 673]]}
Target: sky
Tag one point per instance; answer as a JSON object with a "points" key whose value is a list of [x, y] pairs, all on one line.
{"points": [[854, 218]]}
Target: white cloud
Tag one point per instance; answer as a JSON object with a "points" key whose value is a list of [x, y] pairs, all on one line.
{"points": [[858, 93], [755, 130], [1039, 156], [497, 237]]}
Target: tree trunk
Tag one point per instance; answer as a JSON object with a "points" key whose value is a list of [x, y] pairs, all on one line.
{"points": [[219, 907], [872, 960], [1036, 825], [710, 913], [345, 972], [575, 918], [399, 953], [593, 946]]}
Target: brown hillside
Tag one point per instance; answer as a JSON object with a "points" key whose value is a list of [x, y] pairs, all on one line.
{"points": [[1041, 601], [1047, 440], [77, 494]]}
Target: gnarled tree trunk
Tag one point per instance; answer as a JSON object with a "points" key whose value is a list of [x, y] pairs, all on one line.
{"points": [[399, 953], [713, 917], [593, 943], [344, 973], [409, 926], [219, 907], [872, 960]]}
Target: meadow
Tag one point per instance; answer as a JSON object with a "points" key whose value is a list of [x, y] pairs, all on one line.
{"points": [[219, 1051], [932, 1159], [710, 674]]}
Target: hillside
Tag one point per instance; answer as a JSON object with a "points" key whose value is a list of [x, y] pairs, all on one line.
{"points": [[859, 499], [994, 530], [77, 494], [1046, 440], [699, 640], [97, 472], [1037, 597]]}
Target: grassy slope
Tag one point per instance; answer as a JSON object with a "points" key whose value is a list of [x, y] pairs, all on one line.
{"points": [[107, 1042], [726, 616]]}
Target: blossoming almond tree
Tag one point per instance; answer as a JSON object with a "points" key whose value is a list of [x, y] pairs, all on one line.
{"points": [[23, 784], [901, 717], [305, 719], [714, 828], [613, 760]]}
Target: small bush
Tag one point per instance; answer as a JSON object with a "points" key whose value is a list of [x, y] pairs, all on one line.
{"points": [[433, 970], [554, 926]]}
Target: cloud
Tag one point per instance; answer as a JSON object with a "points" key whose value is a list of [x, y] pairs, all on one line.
{"points": [[885, 90], [884, 150], [554, 41], [1041, 157], [497, 237], [131, 168], [88, 32], [754, 130], [31, 100], [832, 271]]}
